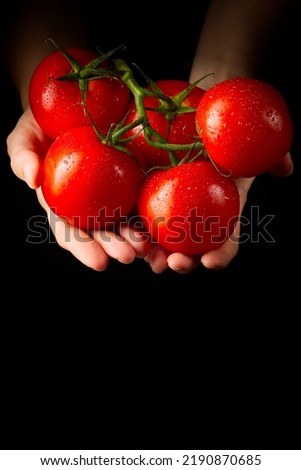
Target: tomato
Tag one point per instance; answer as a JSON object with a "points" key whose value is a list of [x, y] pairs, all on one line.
{"points": [[180, 130], [88, 182], [245, 126], [190, 208], [57, 104]]}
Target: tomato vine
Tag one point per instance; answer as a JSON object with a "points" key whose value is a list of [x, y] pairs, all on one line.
{"points": [[119, 68]]}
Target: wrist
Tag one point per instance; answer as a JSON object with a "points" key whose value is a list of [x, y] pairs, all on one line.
{"points": [[217, 70]]}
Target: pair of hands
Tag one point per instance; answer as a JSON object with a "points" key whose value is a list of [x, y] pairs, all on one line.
{"points": [[26, 146]]}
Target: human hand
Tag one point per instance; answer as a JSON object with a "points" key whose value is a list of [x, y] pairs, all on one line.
{"points": [[159, 259], [26, 146]]}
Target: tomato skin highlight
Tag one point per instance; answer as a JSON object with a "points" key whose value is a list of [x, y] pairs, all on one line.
{"points": [[57, 104], [189, 208], [91, 184], [245, 126], [182, 129]]}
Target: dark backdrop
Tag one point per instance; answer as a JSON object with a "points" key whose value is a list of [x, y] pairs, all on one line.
{"points": [[233, 330], [258, 259]]}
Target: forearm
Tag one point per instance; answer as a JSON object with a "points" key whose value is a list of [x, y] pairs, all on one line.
{"points": [[235, 36], [26, 45]]}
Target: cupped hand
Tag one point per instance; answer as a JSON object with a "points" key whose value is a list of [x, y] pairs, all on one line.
{"points": [[26, 146]]}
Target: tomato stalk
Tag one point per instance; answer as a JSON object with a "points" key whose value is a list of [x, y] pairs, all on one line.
{"points": [[169, 108], [82, 74]]}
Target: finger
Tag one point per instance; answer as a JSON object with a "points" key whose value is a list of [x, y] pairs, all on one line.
{"points": [[27, 166], [79, 243], [138, 240], [221, 258], [25, 145], [114, 245], [94, 249], [243, 186], [157, 259], [284, 168], [182, 264], [82, 246], [86, 249]]}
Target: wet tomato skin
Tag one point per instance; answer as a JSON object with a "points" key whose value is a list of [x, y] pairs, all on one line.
{"points": [[87, 182], [245, 125], [189, 208], [57, 104]]}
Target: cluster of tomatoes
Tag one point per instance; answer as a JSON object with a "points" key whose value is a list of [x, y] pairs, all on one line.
{"points": [[167, 151]]}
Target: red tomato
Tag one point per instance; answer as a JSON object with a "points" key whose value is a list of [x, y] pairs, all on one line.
{"points": [[190, 208], [91, 184], [245, 126], [57, 104], [181, 129]]}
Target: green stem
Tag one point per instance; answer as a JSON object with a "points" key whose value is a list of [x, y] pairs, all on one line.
{"points": [[152, 137], [93, 71]]}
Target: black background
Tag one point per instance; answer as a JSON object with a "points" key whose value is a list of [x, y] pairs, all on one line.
{"points": [[259, 262], [225, 344]]}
